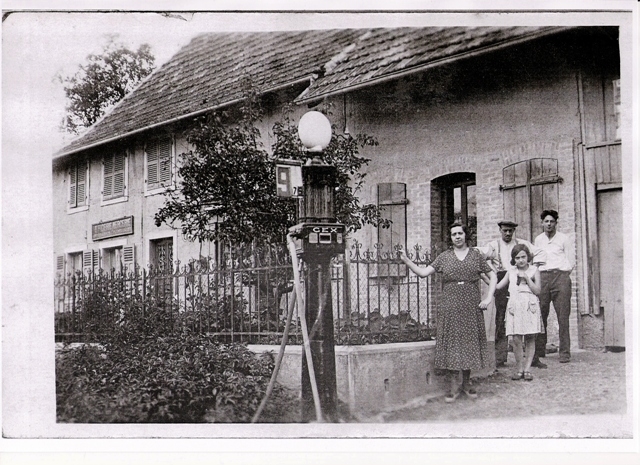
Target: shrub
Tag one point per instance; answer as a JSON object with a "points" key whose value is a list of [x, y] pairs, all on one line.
{"points": [[175, 379]]}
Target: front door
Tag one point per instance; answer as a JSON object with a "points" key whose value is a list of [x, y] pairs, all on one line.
{"points": [[611, 266]]}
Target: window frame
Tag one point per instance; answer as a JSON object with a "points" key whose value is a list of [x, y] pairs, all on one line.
{"points": [[159, 187], [109, 200]]}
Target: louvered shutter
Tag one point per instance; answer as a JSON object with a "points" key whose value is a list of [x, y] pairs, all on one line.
{"points": [[81, 183], [60, 263], [107, 191], [159, 162], [164, 156], [152, 164], [114, 175], [129, 257], [87, 261], [73, 185], [118, 174]]}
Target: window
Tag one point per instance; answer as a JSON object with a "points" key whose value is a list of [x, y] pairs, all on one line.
{"points": [[78, 185], [112, 260], [528, 188], [117, 257], [114, 179], [392, 200], [74, 262], [453, 198], [159, 164]]}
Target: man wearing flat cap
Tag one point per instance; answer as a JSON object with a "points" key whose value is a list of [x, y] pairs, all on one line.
{"points": [[498, 254]]}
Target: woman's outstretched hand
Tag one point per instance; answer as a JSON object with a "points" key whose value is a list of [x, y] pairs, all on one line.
{"points": [[485, 303]]}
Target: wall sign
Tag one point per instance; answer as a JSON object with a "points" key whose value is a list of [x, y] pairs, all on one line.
{"points": [[113, 228]]}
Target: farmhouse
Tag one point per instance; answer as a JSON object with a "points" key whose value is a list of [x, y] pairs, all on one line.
{"points": [[478, 124]]}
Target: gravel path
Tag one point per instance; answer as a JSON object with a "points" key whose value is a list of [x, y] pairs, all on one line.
{"points": [[593, 383]]}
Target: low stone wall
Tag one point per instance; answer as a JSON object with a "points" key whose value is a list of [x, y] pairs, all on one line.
{"points": [[377, 377]]}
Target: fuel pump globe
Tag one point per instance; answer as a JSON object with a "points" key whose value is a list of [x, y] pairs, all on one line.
{"points": [[314, 130]]}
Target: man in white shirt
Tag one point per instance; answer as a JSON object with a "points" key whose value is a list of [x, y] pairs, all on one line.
{"points": [[498, 254], [555, 283]]}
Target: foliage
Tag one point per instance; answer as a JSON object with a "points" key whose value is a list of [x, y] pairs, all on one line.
{"points": [[227, 182], [185, 378], [103, 81], [360, 329]]}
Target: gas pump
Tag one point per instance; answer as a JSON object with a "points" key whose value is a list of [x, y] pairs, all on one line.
{"points": [[317, 238]]}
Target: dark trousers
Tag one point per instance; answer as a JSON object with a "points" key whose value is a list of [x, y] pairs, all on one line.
{"points": [[500, 298], [556, 288]]}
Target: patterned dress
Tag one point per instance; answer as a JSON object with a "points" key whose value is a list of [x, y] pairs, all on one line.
{"points": [[523, 314], [461, 340]]}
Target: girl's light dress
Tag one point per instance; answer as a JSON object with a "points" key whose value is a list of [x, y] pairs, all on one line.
{"points": [[523, 314]]}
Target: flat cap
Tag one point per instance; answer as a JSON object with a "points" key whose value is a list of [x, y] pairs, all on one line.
{"points": [[510, 224]]}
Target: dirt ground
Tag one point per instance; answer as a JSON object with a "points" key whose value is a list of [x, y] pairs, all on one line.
{"points": [[592, 383]]}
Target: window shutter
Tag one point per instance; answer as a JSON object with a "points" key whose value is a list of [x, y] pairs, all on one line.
{"points": [[152, 163], [164, 156], [87, 261], [529, 187], [118, 174], [129, 257], [81, 192], [73, 182], [108, 176], [60, 263], [392, 199], [159, 169]]}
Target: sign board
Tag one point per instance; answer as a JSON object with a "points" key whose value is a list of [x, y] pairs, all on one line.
{"points": [[288, 178], [119, 227]]}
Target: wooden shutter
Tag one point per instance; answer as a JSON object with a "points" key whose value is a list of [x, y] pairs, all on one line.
{"points": [[159, 161], [73, 185], [90, 261], [107, 190], [129, 257], [529, 187], [119, 163], [114, 174], [81, 183], [60, 263], [392, 199]]}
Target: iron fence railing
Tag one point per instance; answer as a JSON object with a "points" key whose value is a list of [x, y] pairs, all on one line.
{"points": [[244, 298]]}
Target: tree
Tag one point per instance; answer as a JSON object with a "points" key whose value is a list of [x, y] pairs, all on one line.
{"points": [[227, 182], [102, 82]]}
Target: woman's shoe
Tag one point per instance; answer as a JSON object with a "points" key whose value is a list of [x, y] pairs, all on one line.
{"points": [[527, 376], [451, 397], [517, 376], [470, 392]]}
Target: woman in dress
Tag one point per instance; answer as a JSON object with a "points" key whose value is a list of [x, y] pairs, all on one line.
{"points": [[523, 318], [461, 340]]}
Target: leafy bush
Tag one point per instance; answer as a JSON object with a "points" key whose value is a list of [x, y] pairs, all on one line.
{"points": [[175, 379]]}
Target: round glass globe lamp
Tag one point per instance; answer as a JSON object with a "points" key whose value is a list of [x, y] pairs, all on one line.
{"points": [[314, 130]]}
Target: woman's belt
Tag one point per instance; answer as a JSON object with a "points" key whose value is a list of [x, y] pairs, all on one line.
{"points": [[475, 281]]}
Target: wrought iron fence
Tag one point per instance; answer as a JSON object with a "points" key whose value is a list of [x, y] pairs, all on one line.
{"points": [[244, 298]]}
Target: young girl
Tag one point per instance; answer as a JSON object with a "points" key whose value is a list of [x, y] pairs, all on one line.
{"points": [[523, 317]]}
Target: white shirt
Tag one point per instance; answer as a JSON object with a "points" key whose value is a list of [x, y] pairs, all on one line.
{"points": [[499, 252], [560, 251]]}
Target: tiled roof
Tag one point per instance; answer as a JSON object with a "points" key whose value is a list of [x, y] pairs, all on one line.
{"points": [[383, 54], [208, 72]]}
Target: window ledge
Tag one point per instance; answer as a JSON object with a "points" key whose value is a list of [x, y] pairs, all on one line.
{"points": [[159, 190], [114, 200], [83, 208]]}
